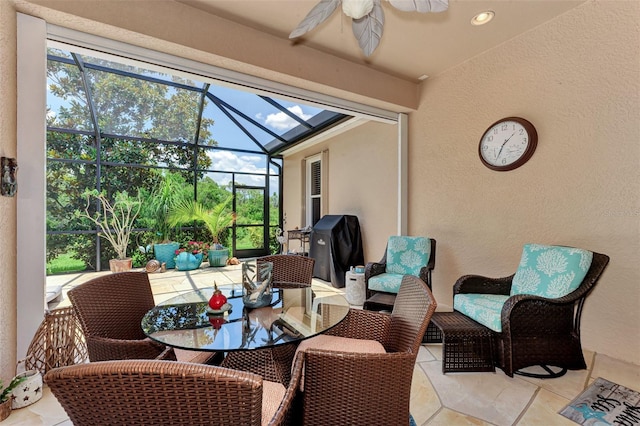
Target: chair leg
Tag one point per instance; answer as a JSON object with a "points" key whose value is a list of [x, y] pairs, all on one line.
{"points": [[550, 373]]}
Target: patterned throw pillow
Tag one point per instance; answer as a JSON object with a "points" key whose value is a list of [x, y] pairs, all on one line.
{"points": [[407, 255], [550, 271]]}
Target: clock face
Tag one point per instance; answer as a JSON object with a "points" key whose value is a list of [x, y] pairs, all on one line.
{"points": [[508, 144]]}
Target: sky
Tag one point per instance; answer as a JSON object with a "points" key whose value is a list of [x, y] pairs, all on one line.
{"points": [[224, 131]]}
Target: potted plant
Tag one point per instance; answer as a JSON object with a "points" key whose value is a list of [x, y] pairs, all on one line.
{"points": [[115, 223], [191, 255], [5, 396], [216, 220], [161, 200]]}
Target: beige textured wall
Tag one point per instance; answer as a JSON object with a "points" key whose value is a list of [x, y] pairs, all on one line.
{"points": [[577, 79], [7, 205], [362, 182]]}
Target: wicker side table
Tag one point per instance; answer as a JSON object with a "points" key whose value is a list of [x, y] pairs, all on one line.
{"points": [[466, 345]]}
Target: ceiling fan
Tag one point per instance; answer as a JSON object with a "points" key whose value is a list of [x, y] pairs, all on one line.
{"points": [[367, 17]]}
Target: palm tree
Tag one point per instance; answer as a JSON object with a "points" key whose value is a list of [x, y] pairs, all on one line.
{"points": [[216, 219]]}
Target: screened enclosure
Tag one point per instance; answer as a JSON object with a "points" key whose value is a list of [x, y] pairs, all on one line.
{"points": [[115, 126]]}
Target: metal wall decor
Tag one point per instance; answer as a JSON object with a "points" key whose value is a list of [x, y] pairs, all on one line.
{"points": [[9, 184]]}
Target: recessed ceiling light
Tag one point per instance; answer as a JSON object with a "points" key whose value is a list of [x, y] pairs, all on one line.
{"points": [[482, 17], [423, 77]]}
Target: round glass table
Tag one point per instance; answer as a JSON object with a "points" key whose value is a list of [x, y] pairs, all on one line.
{"points": [[296, 313]]}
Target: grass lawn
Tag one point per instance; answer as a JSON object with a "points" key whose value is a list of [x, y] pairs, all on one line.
{"points": [[65, 263]]}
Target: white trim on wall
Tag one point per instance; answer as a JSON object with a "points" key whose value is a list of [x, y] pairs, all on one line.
{"points": [[403, 173], [31, 201]]}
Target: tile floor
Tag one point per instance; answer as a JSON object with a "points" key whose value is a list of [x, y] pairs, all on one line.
{"points": [[436, 399]]}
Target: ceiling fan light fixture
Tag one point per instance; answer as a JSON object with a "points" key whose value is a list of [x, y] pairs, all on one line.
{"points": [[483, 17], [367, 17]]}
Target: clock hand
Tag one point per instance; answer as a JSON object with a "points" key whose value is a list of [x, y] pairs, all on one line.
{"points": [[503, 144]]}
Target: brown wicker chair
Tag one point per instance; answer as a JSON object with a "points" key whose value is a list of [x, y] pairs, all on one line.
{"points": [[290, 268], [348, 387], [110, 309], [157, 392], [377, 300], [537, 331], [275, 363]]}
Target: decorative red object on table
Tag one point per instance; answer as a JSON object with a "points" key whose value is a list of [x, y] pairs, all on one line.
{"points": [[218, 299]]}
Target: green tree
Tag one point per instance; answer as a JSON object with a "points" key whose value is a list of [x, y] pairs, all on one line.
{"points": [[154, 119]]}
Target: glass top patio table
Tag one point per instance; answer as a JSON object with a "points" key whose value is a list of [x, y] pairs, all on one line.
{"points": [[296, 313]]}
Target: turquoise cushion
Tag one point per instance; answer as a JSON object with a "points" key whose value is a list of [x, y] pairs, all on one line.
{"points": [[484, 308], [550, 271], [386, 282], [407, 255]]}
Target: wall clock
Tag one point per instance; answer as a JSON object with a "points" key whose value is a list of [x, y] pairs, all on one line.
{"points": [[508, 144]]}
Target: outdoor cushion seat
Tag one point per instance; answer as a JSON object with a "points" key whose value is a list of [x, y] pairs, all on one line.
{"points": [[339, 343], [404, 255], [535, 313]]}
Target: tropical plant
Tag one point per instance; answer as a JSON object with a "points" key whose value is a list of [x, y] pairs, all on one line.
{"points": [[216, 219], [171, 190], [5, 392], [114, 219]]}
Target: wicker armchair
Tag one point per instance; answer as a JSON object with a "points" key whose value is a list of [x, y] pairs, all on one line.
{"points": [[275, 363], [379, 298], [535, 330], [157, 392], [110, 309], [343, 385]]}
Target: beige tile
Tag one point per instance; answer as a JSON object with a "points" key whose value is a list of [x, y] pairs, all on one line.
{"points": [[424, 400], [448, 417], [47, 412], [567, 386], [622, 373], [435, 349], [424, 355], [492, 397], [544, 411]]}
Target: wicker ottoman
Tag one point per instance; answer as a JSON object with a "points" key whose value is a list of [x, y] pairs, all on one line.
{"points": [[466, 345]]}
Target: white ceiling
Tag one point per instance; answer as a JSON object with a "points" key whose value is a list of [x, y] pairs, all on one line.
{"points": [[413, 44]]}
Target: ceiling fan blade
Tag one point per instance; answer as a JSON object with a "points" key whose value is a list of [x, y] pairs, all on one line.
{"points": [[316, 16], [422, 6], [368, 30]]}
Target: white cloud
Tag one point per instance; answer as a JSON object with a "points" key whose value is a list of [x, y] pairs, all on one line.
{"points": [[226, 160], [282, 121]]}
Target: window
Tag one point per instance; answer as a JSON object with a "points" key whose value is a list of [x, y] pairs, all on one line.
{"points": [[313, 190]]}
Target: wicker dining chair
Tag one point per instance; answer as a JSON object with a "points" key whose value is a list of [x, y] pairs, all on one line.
{"points": [[158, 392], [110, 308], [289, 268], [342, 384], [275, 363]]}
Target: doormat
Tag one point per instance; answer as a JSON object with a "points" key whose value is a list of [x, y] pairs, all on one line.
{"points": [[605, 403]]}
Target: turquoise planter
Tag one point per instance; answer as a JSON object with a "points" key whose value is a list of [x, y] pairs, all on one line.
{"points": [[165, 253], [218, 257], [187, 261]]}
